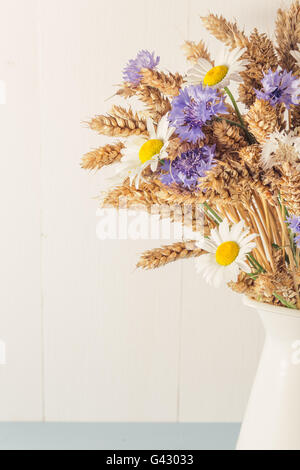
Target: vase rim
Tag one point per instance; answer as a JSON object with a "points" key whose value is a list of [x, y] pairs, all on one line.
{"points": [[284, 311]]}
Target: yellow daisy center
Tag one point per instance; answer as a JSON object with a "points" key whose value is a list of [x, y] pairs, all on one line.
{"points": [[215, 75], [227, 253], [149, 149]]}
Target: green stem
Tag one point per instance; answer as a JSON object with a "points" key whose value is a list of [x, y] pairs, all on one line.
{"points": [[284, 302], [215, 215], [235, 106], [238, 113], [292, 245], [255, 264], [232, 123], [253, 276]]}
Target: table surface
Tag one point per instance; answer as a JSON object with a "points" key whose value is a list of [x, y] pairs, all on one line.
{"points": [[111, 436]]}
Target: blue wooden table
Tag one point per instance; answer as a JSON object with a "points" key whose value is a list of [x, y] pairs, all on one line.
{"points": [[75, 436]]}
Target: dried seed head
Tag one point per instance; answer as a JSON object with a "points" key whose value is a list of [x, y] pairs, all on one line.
{"points": [[225, 31], [262, 120], [103, 156], [194, 52]]}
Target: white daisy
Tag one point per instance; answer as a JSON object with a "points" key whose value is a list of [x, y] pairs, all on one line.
{"points": [[141, 152], [228, 68], [280, 146], [227, 250], [296, 55]]}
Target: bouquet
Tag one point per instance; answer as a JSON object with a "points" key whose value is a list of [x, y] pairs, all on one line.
{"points": [[228, 161]]}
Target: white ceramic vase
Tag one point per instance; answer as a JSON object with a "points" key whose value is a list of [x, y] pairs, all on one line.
{"points": [[272, 420]]}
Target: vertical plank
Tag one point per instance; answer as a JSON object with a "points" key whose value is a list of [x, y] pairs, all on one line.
{"points": [[221, 339], [111, 333], [20, 316]]}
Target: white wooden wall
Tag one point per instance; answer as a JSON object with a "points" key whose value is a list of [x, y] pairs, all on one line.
{"points": [[88, 337]]}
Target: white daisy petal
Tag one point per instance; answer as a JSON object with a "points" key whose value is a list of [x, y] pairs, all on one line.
{"points": [[210, 273], [234, 273], [154, 165], [245, 250], [224, 231], [247, 238], [170, 132], [237, 230], [197, 73], [206, 245], [215, 236], [161, 131], [203, 261], [151, 129], [219, 278], [244, 267]]}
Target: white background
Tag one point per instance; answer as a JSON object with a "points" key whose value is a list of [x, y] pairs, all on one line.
{"points": [[88, 337]]}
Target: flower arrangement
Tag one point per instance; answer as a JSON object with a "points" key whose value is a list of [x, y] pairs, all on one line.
{"points": [[234, 161]]}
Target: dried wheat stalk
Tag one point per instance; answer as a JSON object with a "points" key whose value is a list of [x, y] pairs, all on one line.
{"points": [[290, 188], [295, 116], [262, 120], [228, 137], [261, 57], [288, 34], [177, 147], [157, 105], [127, 90], [102, 156], [227, 182], [115, 125], [195, 51], [225, 31], [267, 284], [127, 194], [169, 84], [168, 254], [244, 285]]}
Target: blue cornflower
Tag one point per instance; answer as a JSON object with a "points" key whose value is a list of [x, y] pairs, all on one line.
{"points": [[144, 60], [193, 108], [189, 167], [294, 224], [280, 87]]}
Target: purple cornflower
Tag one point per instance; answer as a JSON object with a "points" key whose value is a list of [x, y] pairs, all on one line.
{"points": [[280, 87], [297, 240], [144, 60], [193, 108], [294, 224], [189, 167]]}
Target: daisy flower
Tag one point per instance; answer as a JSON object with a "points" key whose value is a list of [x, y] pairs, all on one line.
{"points": [[144, 60], [142, 152], [186, 169], [228, 69], [280, 87], [193, 108], [227, 249]]}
